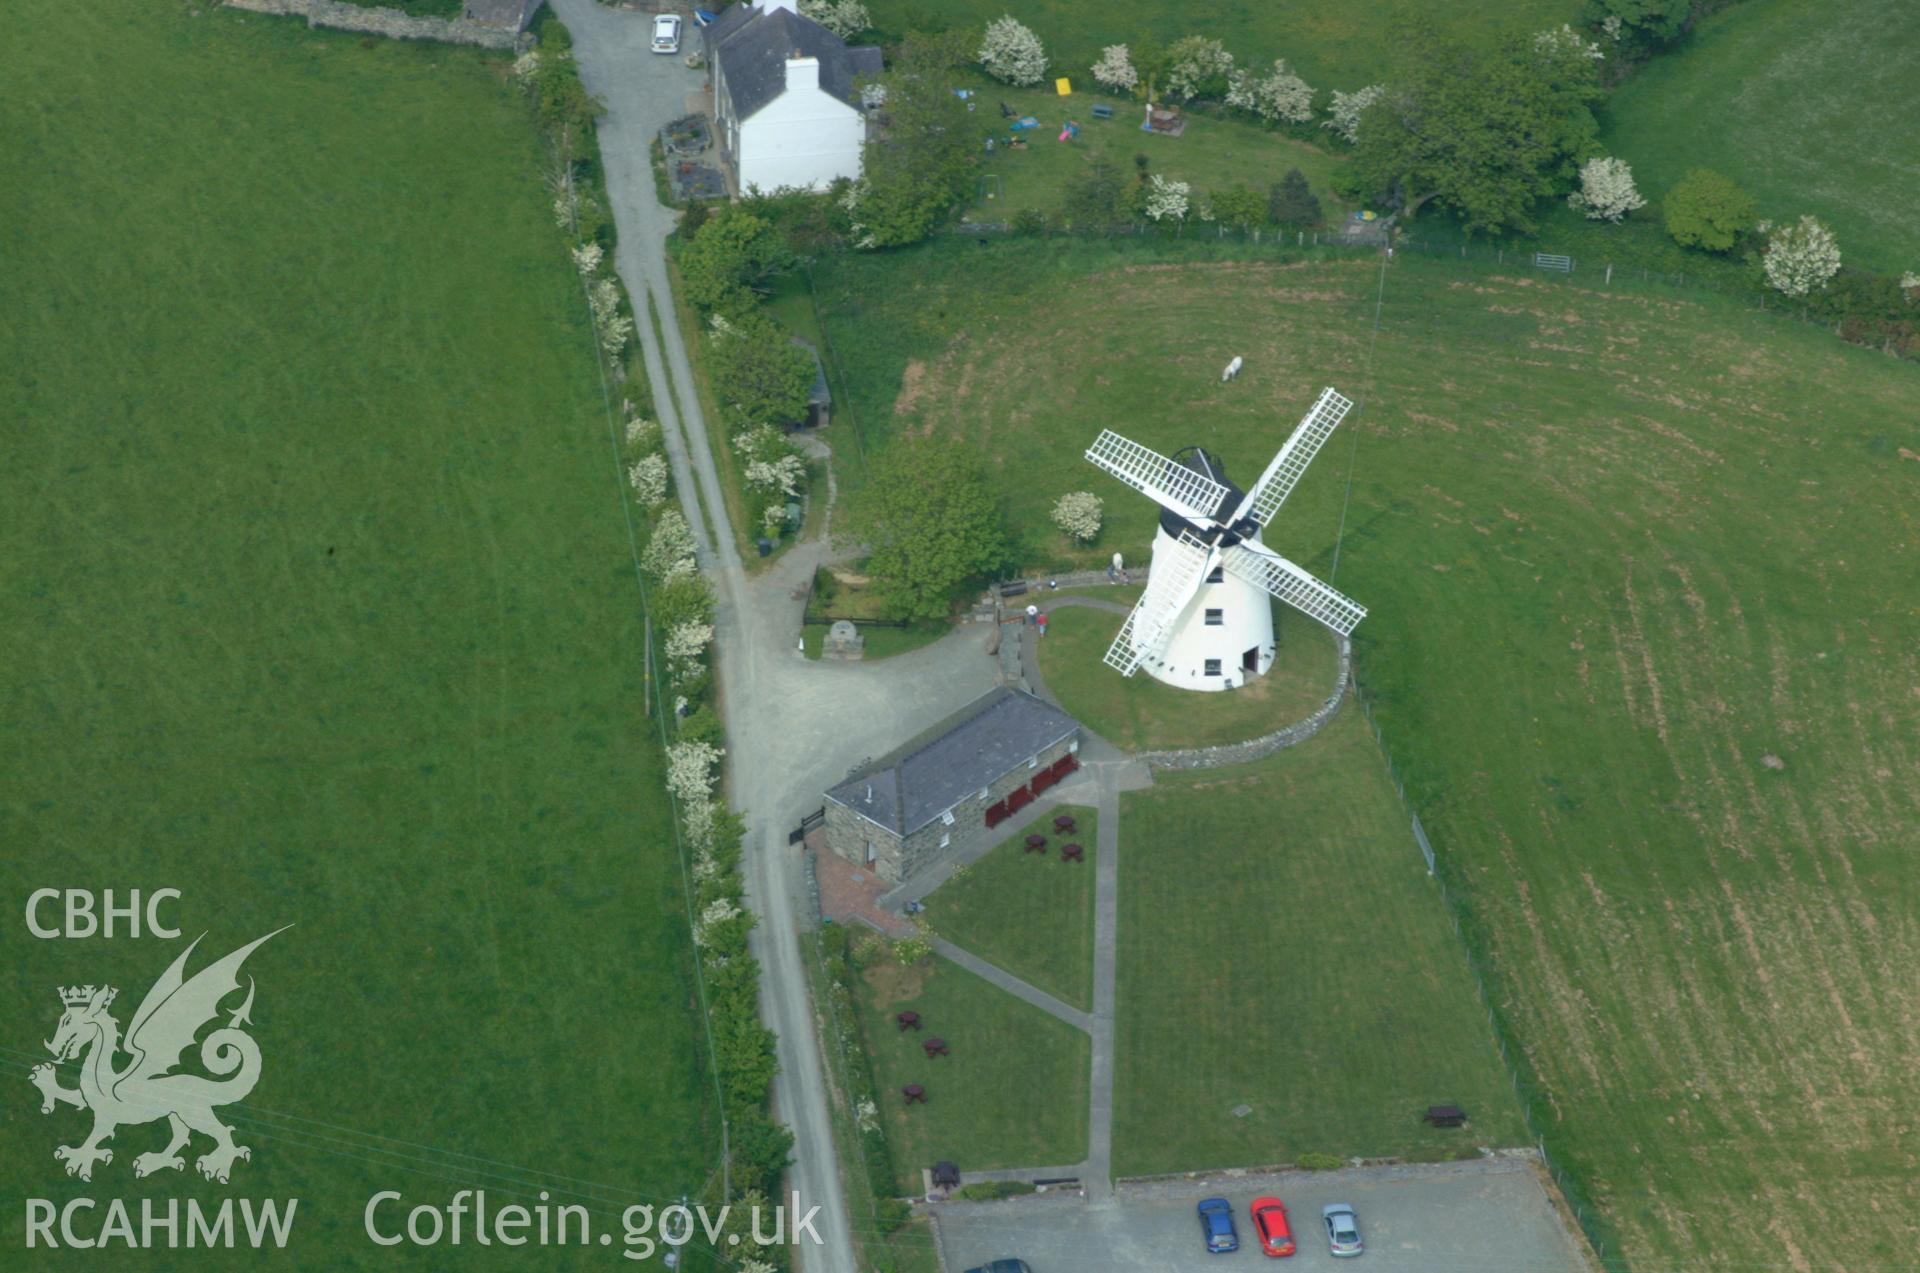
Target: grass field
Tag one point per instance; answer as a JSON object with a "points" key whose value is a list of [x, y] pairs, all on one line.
{"points": [[1815, 108], [1138, 713], [1332, 45], [1029, 913], [320, 609], [1282, 947], [1643, 633], [1013, 1092], [1213, 153]]}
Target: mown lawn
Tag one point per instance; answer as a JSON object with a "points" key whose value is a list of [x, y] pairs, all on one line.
{"points": [[1332, 45], [1214, 152], [1013, 1092], [1029, 913], [1281, 947], [1138, 713], [1642, 633], [1815, 108], [320, 609]]}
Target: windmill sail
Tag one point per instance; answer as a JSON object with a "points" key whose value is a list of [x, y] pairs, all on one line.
{"points": [[1172, 484], [1271, 491], [1169, 588], [1295, 587]]}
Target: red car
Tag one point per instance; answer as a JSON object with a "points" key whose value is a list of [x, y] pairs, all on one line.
{"points": [[1270, 1226]]}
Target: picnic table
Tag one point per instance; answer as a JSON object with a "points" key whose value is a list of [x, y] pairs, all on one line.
{"points": [[1036, 843], [935, 1047], [914, 1092], [1072, 853], [907, 1020], [1446, 1116], [1063, 823]]}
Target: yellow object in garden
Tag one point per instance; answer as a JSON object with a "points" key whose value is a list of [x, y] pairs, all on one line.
{"points": [[1064, 86]]}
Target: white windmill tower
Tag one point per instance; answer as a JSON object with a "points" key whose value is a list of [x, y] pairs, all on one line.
{"points": [[1205, 622]]}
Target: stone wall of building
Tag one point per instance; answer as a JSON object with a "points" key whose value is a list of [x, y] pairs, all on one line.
{"points": [[848, 832], [388, 22], [923, 847]]}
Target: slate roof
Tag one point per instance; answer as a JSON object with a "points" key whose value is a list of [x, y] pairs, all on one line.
{"points": [[752, 46], [991, 736]]}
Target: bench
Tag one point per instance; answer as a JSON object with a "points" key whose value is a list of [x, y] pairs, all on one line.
{"points": [[1446, 1116], [1103, 111]]}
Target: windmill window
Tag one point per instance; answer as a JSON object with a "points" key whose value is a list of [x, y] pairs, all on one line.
{"points": [[984, 792], [1217, 575], [947, 817], [1213, 667], [1216, 617], [945, 839], [1033, 762]]}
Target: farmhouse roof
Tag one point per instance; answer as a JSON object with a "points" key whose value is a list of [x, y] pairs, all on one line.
{"points": [[989, 738], [752, 47]]}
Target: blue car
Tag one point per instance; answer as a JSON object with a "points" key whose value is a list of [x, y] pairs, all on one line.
{"points": [[1216, 1222]]}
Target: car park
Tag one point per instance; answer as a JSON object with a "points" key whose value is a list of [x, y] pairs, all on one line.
{"points": [[666, 33], [1270, 1226], [1343, 1229], [1216, 1224]]}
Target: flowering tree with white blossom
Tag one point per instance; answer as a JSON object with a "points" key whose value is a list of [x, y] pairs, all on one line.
{"points": [[1115, 69], [669, 553], [1800, 258], [1344, 111], [1564, 41], [1197, 65], [1078, 514], [649, 478], [688, 640], [1168, 200], [1012, 52], [690, 765], [1606, 192], [787, 474], [1277, 95], [845, 18]]}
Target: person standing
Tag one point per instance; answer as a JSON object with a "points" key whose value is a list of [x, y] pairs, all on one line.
{"points": [[1033, 614], [1040, 621]]}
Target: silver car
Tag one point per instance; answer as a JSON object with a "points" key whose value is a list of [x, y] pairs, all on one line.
{"points": [[1343, 1229]]}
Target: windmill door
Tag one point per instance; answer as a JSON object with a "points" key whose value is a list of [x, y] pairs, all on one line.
{"points": [[1250, 661]]}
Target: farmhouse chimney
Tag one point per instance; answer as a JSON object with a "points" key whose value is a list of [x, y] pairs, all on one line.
{"points": [[803, 73]]}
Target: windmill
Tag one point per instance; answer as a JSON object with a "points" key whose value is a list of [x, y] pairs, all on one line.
{"points": [[1204, 622]]}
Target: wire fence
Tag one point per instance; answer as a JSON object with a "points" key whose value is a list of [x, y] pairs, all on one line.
{"points": [[1531, 1093]]}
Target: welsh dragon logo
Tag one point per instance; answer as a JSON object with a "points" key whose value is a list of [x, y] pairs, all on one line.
{"points": [[148, 1087]]}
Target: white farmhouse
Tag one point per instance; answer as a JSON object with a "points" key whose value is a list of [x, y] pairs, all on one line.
{"points": [[785, 101]]}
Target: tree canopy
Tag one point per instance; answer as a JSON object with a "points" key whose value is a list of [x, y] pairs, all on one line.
{"points": [[733, 251], [920, 153], [759, 375], [1707, 210], [1484, 129], [929, 516]]}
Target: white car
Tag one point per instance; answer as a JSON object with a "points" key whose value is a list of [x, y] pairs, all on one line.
{"points": [[666, 33]]}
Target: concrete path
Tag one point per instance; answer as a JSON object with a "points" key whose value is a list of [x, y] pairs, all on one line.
{"points": [[793, 726], [1106, 950], [1013, 985]]}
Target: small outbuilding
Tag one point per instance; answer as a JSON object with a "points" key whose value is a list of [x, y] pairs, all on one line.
{"points": [[951, 786]]}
